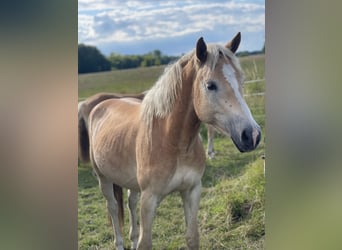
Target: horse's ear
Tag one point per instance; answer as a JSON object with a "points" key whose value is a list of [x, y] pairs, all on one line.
{"points": [[233, 45], [201, 50]]}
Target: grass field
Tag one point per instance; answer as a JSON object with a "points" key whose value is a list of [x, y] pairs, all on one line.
{"points": [[231, 214]]}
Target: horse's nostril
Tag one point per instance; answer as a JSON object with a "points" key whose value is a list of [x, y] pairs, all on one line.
{"points": [[246, 136], [250, 138]]}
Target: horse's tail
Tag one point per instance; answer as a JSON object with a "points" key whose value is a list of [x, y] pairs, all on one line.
{"points": [[118, 194], [83, 139]]}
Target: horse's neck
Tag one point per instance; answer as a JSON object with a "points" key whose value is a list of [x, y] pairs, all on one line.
{"points": [[182, 125]]}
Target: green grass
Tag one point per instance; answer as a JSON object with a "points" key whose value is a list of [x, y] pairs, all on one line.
{"points": [[231, 214], [118, 81]]}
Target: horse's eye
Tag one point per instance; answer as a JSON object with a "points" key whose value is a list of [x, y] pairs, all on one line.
{"points": [[211, 85]]}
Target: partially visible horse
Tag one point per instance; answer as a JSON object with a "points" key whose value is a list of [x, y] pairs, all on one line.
{"points": [[153, 146], [210, 147]]}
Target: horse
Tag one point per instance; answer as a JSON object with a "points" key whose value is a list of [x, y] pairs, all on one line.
{"points": [[85, 107], [153, 147]]}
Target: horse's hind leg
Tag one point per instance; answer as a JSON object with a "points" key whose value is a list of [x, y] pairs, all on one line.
{"points": [[132, 205], [191, 198], [113, 209]]}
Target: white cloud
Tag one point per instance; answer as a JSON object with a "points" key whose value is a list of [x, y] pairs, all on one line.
{"points": [[108, 21], [91, 5], [85, 27]]}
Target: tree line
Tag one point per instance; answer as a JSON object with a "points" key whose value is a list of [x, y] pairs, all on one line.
{"points": [[90, 59]]}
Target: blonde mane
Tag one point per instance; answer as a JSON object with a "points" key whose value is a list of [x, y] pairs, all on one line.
{"points": [[160, 99]]}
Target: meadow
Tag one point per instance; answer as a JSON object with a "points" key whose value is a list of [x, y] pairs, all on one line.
{"points": [[232, 207]]}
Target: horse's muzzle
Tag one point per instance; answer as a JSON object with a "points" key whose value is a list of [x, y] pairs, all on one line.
{"points": [[248, 140]]}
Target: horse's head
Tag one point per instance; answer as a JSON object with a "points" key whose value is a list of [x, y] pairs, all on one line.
{"points": [[218, 97]]}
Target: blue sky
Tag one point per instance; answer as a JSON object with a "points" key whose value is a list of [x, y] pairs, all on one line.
{"points": [[173, 27]]}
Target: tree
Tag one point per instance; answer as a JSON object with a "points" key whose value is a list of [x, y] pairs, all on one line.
{"points": [[152, 58], [90, 59]]}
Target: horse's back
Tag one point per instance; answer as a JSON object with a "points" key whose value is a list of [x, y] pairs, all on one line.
{"points": [[113, 130]]}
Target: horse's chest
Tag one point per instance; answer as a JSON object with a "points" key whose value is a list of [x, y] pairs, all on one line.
{"points": [[184, 177]]}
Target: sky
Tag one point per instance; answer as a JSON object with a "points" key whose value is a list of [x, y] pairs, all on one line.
{"points": [[173, 27]]}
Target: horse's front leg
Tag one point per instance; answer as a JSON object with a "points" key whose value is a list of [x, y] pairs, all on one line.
{"points": [[132, 205], [210, 148], [148, 203], [191, 198]]}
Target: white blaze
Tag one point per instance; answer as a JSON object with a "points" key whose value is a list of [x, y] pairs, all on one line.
{"points": [[229, 74]]}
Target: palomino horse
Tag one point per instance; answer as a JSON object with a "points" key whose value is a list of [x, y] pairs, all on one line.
{"points": [[153, 146]]}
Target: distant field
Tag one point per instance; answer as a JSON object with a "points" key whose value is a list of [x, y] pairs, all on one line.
{"points": [[119, 81], [231, 214], [141, 79]]}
